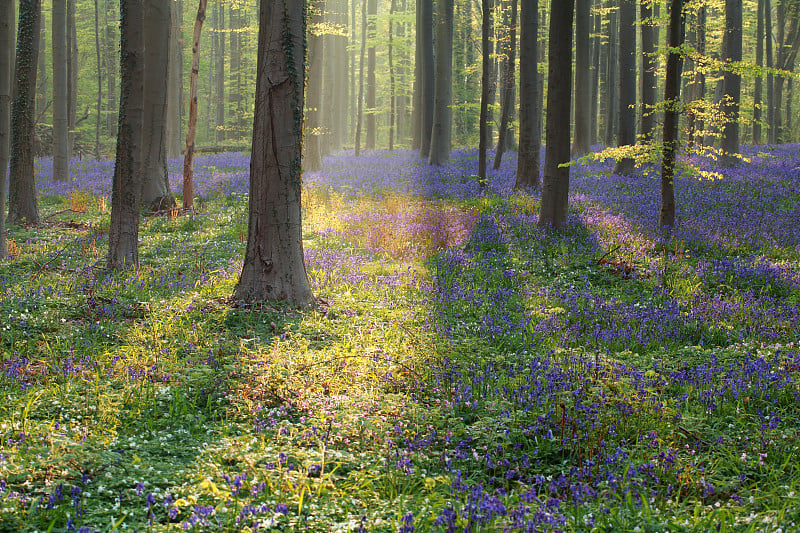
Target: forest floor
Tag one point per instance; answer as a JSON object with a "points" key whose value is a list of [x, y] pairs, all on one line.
{"points": [[462, 369]]}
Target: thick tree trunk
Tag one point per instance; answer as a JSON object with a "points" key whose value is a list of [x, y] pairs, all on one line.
{"points": [[6, 65], [188, 160], [611, 90], [443, 102], [123, 233], [529, 144], [626, 131], [156, 195], [758, 90], [426, 79], [672, 98], [22, 206], [219, 76], [555, 186], [60, 92], [505, 135], [372, 128], [42, 85], [583, 80], [732, 86], [274, 267], [174, 82], [311, 140], [648, 78], [487, 79]]}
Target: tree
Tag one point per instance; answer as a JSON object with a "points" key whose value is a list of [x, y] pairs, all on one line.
{"points": [[732, 81], [175, 81], [313, 150], [60, 58], [360, 103], [443, 92], [188, 160], [504, 133], [611, 98], [274, 267], [99, 79], [426, 75], [626, 130], [219, 73], [6, 62], [583, 87], [529, 141], [555, 186], [123, 232], [487, 78], [156, 195], [672, 88], [696, 123], [22, 185], [372, 13], [758, 93], [649, 66]]}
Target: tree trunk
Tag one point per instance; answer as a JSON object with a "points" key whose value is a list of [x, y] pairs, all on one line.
{"points": [[60, 91], [360, 103], [42, 88], [188, 160], [509, 66], [611, 107], [99, 79], [696, 123], [311, 139], [529, 144], [175, 80], [770, 78], [758, 91], [112, 113], [672, 98], [426, 79], [219, 76], [442, 108], [788, 122], [596, 46], [649, 66], [235, 95], [583, 87], [72, 77], [274, 267], [732, 86], [555, 186], [372, 132], [392, 95], [123, 233], [156, 195], [6, 64], [22, 206], [626, 131], [487, 78]]}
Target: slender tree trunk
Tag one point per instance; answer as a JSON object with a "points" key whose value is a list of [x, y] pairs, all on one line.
{"points": [[443, 103], [316, 58], [529, 144], [72, 77], [274, 267], [696, 123], [60, 58], [22, 206], [156, 195], [6, 65], [612, 102], [788, 123], [372, 128], [583, 88], [99, 79], [487, 78], [188, 192], [648, 78], [555, 186], [425, 35], [509, 66], [353, 58], [392, 95], [626, 132], [732, 81], [360, 103], [219, 72], [123, 233], [596, 46], [112, 113], [235, 95], [770, 78], [43, 89], [758, 91], [175, 81], [672, 98]]}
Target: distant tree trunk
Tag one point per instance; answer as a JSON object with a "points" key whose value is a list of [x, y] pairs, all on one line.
{"points": [[648, 78], [529, 144], [672, 98], [6, 65], [626, 132], [112, 113], [583, 87], [758, 91], [372, 131], [732, 81], [99, 79], [22, 206], [555, 186], [596, 46], [392, 95], [123, 233], [311, 140], [360, 103], [235, 94], [42, 88], [696, 124], [60, 91], [274, 267], [425, 36], [175, 81], [72, 77], [487, 78], [353, 58], [509, 66], [788, 122], [156, 195], [770, 78], [188, 160], [443, 103], [611, 107], [219, 73]]}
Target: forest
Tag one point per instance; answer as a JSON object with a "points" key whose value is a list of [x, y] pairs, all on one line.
{"points": [[399, 266]]}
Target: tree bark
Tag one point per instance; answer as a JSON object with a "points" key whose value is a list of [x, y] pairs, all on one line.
{"points": [[758, 90], [555, 186], [360, 103], [72, 77], [612, 100], [60, 59], [311, 139], [22, 206], [696, 123], [505, 135], [596, 46], [672, 98], [529, 144], [770, 78], [99, 79], [274, 267], [123, 233], [426, 79], [219, 76], [6, 64], [188, 160], [487, 78], [732, 84], [156, 195], [583, 89], [626, 130], [372, 129], [392, 95], [443, 102], [649, 67], [175, 80]]}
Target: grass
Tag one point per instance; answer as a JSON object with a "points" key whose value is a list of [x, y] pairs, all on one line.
{"points": [[461, 371]]}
